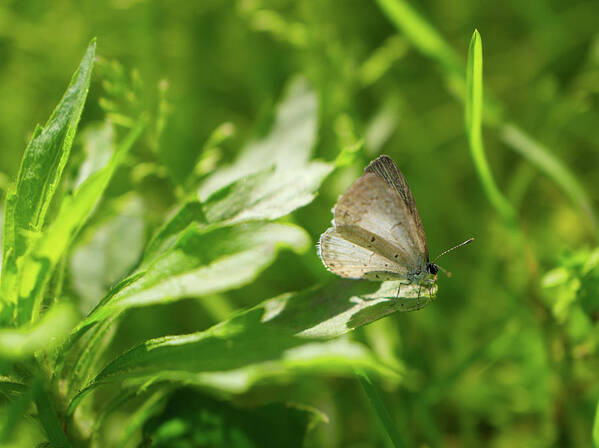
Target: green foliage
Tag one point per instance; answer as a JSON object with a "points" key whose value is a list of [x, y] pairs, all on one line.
{"points": [[203, 421], [160, 284], [474, 120]]}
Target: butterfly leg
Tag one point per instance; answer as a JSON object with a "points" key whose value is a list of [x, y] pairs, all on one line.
{"points": [[398, 289]]}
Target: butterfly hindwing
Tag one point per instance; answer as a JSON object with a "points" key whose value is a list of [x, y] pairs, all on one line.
{"points": [[350, 260]]}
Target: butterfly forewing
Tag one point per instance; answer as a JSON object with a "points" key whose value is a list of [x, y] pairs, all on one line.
{"points": [[387, 169], [377, 231], [372, 214]]}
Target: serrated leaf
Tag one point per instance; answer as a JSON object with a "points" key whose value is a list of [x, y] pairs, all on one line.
{"points": [[266, 195], [204, 261], [281, 337], [40, 172], [39, 262]]}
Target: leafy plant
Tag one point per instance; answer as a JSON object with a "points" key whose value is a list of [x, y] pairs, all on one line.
{"points": [[224, 232]]}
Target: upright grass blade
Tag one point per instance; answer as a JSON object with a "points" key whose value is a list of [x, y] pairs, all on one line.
{"points": [[596, 428], [373, 395], [40, 172], [474, 115], [426, 39]]}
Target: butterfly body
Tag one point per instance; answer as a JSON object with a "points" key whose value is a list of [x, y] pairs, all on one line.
{"points": [[377, 233]]}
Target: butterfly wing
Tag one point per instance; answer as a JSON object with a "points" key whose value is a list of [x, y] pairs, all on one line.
{"points": [[350, 260], [372, 214], [387, 169]]}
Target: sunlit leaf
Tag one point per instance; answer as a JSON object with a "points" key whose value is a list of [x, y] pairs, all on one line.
{"points": [[287, 146], [280, 337], [99, 260], [204, 261], [22, 342], [41, 169], [74, 211]]}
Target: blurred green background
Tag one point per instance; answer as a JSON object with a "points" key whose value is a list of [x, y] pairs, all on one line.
{"points": [[507, 355]]}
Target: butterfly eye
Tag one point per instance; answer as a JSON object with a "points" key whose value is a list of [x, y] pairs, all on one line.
{"points": [[432, 268]]}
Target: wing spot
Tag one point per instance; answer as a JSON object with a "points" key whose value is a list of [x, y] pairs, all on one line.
{"points": [[396, 255], [372, 239]]}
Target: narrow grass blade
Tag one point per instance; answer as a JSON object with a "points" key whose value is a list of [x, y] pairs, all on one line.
{"points": [[474, 118], [426, 39], [542, 158], [374, 397], [596, 428]]}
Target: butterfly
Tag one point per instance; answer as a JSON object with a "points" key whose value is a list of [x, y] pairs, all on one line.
{"points": [[377, 232]]}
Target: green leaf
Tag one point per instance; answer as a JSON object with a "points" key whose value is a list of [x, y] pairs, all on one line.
{"points": [[49, 248], [204, 261], [287, 146], [281, 337], [40, 172], [22, 342], [266, 195], [385, 418], [11, 414], [98, 260], [596, 427], [48, 417], [150, 407], [192, 418], [474, 120]]}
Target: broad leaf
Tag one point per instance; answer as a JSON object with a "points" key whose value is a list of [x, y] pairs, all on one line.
{"points": [[98, 260], [287, 146], [40, 172], [268, 194], [278, 338], [271, 178], [203, 261]]}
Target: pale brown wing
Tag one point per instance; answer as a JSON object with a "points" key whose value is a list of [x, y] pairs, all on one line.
{"points": [[350, 260], [386, 168], [372, 214]]}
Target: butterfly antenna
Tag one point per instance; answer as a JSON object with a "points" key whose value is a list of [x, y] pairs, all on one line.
{"points": [[453, 248], [445, 271]]}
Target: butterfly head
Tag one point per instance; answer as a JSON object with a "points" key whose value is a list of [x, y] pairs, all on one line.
{"points": [[432, 268]]}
